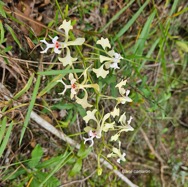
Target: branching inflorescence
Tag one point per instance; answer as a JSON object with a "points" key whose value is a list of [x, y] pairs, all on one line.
{"points": [[101, 122]]}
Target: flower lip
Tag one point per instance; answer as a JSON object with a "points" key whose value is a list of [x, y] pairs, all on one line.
{"points": [[73, 86], [57, 45], [92, 135]]}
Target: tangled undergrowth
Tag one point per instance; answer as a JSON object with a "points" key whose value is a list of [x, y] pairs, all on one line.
{"points": [[93, 92]]}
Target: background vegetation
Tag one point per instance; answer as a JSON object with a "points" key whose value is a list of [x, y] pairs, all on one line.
{"points": [[152, 36]]}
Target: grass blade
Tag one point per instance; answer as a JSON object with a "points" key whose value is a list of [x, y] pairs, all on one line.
{"points": [[14, 36], [60, 165], [174, 6], [58, 72], [149, 53], [2, 11], [139, 46], [2, 39], [35, 91], [51, 85], [115, 17], [6, 138], [26, 87], [131, 21], [3, 128]]}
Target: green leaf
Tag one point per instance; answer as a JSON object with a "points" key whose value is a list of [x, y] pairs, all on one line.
{"points": [[52, 162], [36, 156], [80, 110], [76, 168], [2, 11], [61, 106], [117, 15], [14, 35], [3, 124], [31, 105], [26, 87], [11, 174], [131, 21], [51, 84], [174, 6], [83, 152], [58, 72], [183, 45], [66, 158], [6, 138], [41, 176], [2, 39], [139, 46]]}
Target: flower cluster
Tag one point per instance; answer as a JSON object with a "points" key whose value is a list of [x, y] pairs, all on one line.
{"points": [[98, 123]]}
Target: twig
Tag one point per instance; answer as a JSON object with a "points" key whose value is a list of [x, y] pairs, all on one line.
{"points": [[151, 147]]}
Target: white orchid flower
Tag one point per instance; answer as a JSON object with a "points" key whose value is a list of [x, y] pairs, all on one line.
{"points": [[55, 45], [75, 86], [113, 58]]}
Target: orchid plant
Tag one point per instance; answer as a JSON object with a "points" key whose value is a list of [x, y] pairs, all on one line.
{"points": [[98, 122]]}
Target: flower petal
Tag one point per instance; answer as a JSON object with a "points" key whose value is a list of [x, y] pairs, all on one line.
{"points": [[57, 51], [114, 65], [47, 46], [120, 85], [100, 72], [54, 40], [108, 126], [90, 115], [115, 137], [68, 60], [66, 26], [104, 43], [122, 118], [115, 112], [83, 102], [104, 58], [66, 87], [78, 41], [87, 129]]}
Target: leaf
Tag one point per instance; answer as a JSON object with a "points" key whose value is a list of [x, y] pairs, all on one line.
{"points": [[2, 11], [14, 35], [36, 156], [3, 128], [30, 108], [57, 72], [83, 152], [41, 176], [11, 174], [26, 87], [6, 138], [2, 39], [116, 16], [131, 21], [76, 168], [183, 45], [139, 46], [52, 162], [62, 162]]}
